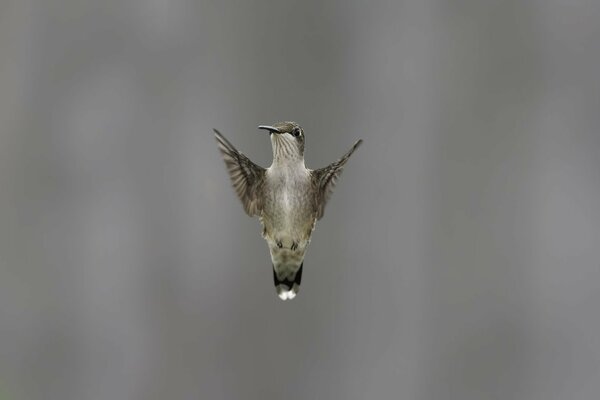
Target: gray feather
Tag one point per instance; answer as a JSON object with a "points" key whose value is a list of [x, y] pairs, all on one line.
{"points": [[324, 180], [246, 177]]}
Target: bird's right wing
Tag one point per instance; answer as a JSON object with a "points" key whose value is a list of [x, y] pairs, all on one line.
{"points": [[324, 180], [246, 176]]}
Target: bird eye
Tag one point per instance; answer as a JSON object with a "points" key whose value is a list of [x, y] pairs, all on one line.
{"points": [[296, 132]]}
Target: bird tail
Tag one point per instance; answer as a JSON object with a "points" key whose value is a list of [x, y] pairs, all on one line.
{"points": [[288, 288]]}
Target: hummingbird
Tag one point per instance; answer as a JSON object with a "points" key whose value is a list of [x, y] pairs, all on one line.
{"points": [[287, 198]]}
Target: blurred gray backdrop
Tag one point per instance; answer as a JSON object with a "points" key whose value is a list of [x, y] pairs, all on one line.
{"points": [[459, 257]]}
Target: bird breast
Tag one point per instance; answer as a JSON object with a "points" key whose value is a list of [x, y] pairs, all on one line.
{"points": [[287, 210]]}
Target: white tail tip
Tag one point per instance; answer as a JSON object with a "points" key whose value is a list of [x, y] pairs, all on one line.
{"points": [[285, 293]]}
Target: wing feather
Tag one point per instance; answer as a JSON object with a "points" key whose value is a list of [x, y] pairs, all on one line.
{"points": [[325, 179], [246, 176]]}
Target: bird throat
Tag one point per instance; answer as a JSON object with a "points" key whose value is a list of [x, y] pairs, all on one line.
{"points": [[286, 153]]}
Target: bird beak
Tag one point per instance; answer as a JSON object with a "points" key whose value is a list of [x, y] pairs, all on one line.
{"points": [[271, 129]]}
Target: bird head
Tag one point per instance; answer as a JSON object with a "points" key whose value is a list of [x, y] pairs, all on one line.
{"points": [[287, 139]]}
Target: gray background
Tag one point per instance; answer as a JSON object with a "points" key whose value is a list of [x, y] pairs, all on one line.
{"points": [[458, 257]]}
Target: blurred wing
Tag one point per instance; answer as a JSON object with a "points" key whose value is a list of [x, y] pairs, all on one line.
{"points": [[324, 180], [246, 176]]}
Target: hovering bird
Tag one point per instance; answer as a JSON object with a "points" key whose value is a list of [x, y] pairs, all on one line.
{"points": [[287, 197]]}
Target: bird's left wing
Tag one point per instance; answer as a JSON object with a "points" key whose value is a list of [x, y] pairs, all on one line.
{"points": [[246, 176], [324, 180]]}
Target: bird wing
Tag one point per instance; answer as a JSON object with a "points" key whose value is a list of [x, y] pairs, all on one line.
{"points": [[246, 176], [324, 180]]}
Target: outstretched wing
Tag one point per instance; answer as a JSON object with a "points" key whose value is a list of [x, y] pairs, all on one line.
{"points": [[246, 176], [324, 180]]}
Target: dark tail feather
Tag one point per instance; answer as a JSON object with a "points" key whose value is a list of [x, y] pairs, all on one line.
{"points": [[286, 288]]}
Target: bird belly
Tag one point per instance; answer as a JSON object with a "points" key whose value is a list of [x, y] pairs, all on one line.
{"points": [[287, 245], [287, 223], [287, 219]]}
